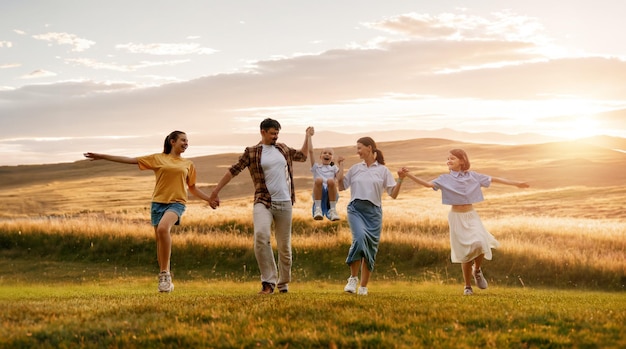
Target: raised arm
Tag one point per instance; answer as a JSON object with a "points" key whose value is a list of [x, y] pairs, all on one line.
{"points": [[309, 138], [114, 158], [305, 147], [339, 177], [510, 182]]}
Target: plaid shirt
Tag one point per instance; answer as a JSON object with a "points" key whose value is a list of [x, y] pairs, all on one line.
{"points": [[251, 158]]}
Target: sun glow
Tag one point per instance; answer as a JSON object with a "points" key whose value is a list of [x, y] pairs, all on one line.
{"points": [[580, 127]]}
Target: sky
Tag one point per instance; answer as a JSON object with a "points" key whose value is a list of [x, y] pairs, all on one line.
{"points": [[117, 76]]}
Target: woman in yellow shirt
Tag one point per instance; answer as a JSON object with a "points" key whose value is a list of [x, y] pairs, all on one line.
{"points": [[173, 174]]}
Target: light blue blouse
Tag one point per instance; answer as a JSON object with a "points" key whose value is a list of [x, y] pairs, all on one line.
{"points": [[461, 188]]}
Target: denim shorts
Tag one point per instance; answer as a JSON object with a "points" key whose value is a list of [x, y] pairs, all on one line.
{"points": [[158, 209]]}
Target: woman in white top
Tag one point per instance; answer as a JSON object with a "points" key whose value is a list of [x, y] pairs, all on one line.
{"points": [[367, 181], [470, 242]]}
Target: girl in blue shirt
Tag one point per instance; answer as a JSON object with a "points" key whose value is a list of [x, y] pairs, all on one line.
{"points": [[470, 242]]}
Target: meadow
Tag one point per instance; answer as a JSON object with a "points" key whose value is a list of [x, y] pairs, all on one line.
{"points": [[79, 267]]}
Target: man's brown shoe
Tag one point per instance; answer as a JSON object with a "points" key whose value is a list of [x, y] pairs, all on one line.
{"points": [[267, 288]]}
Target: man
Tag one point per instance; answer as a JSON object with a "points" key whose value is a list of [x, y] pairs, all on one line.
{"points": [[270, 166]]}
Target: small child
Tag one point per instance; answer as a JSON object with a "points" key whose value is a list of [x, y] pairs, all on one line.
{"points": [[470, 242], [325, 192]]}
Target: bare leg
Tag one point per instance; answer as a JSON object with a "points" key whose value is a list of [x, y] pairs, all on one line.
{"points": [[332, 190], [365, 274], [317, 189], [478, 261], [467, 273], [164, 239], [354, 268]]}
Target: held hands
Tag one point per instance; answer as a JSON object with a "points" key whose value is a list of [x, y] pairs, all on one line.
{"points": [[214, 200], [402, 172], [340, 160], [310, 131]]}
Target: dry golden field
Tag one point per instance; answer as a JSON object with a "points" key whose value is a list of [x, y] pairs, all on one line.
{"points": [[573, 215], [568, 180]]}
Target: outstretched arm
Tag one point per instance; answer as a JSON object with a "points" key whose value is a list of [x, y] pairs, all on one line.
{"points": [[214, 199], [114, 158], [401, 175], [420, 181], [202, 195], [510, 182]]}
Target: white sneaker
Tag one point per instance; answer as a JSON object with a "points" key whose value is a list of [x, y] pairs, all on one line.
{"points": [[468, 291], [479, 278], [318, 215], [165, 282], [332, 215], [351, 285], [362, 291]]}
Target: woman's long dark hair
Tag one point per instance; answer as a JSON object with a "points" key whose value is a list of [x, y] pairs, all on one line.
{"points": [[369, 142], [167, 145]]}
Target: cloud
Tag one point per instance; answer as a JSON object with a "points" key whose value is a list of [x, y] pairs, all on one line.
{"points": [[39, 73], [162, 49], [95, 64], [10, 65], [505, 25], [78, 44], [6, 44], [444, 67]]}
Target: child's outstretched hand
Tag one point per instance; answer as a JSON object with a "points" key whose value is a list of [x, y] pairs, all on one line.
{"points": [[402, 172]]}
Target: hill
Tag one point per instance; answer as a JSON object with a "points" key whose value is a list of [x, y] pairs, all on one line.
{"points": [[32, 189]]}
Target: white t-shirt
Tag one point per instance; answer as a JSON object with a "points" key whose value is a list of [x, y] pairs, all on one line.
{"points": [[368, 183], [275, 171], [324, 172]]}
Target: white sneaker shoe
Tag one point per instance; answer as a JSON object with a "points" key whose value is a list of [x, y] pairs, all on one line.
{"points": [[351, 285], [479, 278], [165, 282], [362, 291], [332, 215], [468, 291], [318, 215]]}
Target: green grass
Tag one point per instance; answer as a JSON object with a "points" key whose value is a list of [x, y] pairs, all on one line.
{"points": [[123, 312], [91, 283]]}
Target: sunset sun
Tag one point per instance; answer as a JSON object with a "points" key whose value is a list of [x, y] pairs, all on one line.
{"points": [[580, 127]]}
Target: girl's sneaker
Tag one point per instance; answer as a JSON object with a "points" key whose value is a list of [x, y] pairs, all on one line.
{"points": [[165, 282], [468, 291], [479, 278]]}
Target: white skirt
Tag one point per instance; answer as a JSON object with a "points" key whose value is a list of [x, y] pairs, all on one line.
{"points": [[468, 237]]}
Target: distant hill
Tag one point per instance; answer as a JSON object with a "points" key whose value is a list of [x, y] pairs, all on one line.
{"points": [[586, 162]]}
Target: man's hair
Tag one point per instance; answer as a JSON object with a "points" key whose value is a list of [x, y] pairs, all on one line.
{"points": [[270, 123]]}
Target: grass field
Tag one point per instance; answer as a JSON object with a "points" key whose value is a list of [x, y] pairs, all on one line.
{"points": [[78, 264], [127, 313]]}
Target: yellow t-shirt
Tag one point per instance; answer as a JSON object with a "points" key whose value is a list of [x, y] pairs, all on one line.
{"points": [[171, 176]]}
